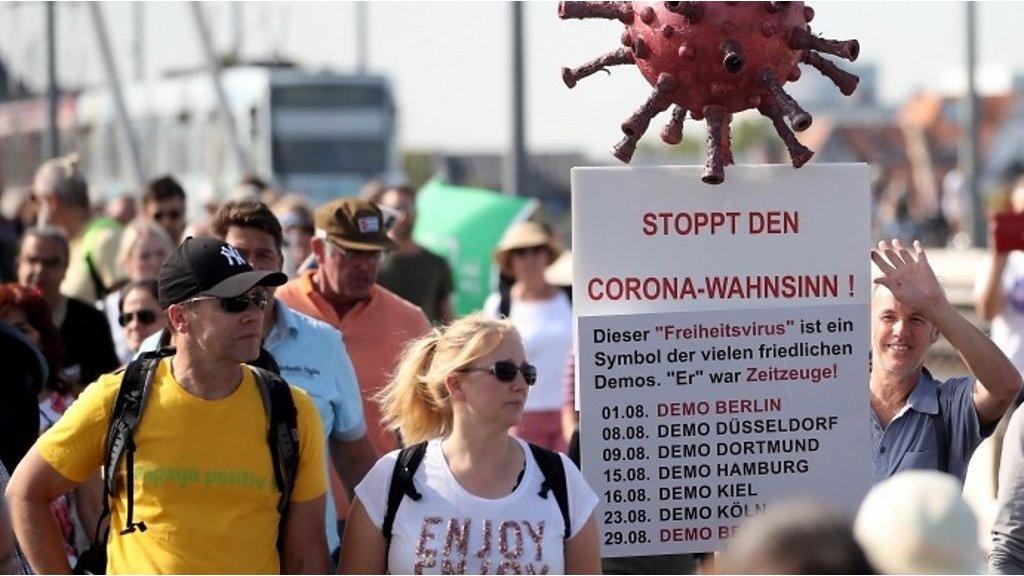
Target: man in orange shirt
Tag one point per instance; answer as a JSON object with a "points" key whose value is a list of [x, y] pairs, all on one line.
{"points": [[349, 243]]}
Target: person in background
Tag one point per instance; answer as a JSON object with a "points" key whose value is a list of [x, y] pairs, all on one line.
{"points": [[459, 390], [297, 224], [61, 195], [916, 421], [139, 314], [122, 209], [917, 522], [410, 270], [85, 335], [144, 247], [26, 309], [163, 202], [795, 537], [999, 297], [349, 245], [542, 313]]}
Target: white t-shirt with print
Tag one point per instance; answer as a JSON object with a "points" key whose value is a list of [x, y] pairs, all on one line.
{"points": [[546, 328], [452, 531]]}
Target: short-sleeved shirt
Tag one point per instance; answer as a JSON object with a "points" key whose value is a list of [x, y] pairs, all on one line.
{"points": [[376, 331], [423, 278], [203, 476], [452, 531], [312, 356], [913, 439]]}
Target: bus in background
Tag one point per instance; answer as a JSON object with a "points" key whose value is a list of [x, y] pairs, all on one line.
{"points": [[320, 134]]}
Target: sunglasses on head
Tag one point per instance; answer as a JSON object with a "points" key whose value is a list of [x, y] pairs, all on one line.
{"points": [[143, 316], [237, 304], [506, 370]]}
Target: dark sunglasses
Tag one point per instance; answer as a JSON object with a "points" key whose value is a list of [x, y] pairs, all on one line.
{"points": [[171, 214], [528, 250], [506, 370], [143, 316], [237, 304]]}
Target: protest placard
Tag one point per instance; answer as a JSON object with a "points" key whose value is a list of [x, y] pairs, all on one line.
{"points": [[722, 346]]}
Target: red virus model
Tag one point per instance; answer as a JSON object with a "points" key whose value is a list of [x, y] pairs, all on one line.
{"points": [[713, 59]]}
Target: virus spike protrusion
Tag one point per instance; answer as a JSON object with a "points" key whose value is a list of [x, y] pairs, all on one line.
{"points": [[845, 81], [800, 39], [727, 140], [732, 56], [621, 11], [616, 58], [717, 145], [638, 122], [672, 133], [691, 11], [798, 117], [623, 151], [798, 153]]}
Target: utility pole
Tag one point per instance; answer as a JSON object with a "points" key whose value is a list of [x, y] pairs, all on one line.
{"points": [[237, 19], [515, 160], [224, 109], [52, 147], [969, 163], [361, 36], [138, 40], [130, 144]]}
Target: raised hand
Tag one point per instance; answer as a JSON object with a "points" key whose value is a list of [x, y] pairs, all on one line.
{"points": [[908, 276]]}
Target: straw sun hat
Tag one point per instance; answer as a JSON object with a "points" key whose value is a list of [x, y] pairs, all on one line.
{"points": [[527, 234]]}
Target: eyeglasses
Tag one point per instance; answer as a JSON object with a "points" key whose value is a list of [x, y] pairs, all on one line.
{"points": [[143, 316], [528, 250], [170, 215], [506, 370], [360, 255], [236, 304]]}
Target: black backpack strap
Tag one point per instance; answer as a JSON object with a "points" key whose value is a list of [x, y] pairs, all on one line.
{"points": [[94, 276], [505, 296], [504, 305], [128, 408], [283, 432], [408, 461], [551, 465]]}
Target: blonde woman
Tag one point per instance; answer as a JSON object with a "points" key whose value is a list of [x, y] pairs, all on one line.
{"points": [[472, 503], [143, 249]]}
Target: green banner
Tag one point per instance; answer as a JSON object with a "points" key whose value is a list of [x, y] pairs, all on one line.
{"points": [[463, 225]]}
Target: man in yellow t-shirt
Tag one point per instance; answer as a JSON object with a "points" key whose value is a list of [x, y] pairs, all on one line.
{"points": [[204, 486]]}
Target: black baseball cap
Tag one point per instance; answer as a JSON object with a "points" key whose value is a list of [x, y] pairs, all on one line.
{"points": [[209, 267]]}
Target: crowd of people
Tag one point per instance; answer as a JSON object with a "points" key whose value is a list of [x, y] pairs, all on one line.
{"points": [[283, 388]]}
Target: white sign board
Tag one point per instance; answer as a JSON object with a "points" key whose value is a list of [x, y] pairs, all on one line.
{"points": [[722, 346]]}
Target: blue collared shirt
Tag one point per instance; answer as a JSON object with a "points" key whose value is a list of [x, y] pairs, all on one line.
{"points": [[912, 440], [312, 356]]}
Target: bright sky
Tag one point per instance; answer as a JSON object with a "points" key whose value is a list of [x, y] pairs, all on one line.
{"points": [[450, 61]]}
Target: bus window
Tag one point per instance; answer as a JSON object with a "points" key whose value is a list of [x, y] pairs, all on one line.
{"points": [[304, 155]]}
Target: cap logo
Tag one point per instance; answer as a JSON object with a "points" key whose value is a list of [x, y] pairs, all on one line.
{"points": [[233, 257], [368, 224]]}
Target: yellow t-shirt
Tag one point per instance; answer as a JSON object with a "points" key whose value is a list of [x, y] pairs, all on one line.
{"points": [[204, 482]]}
